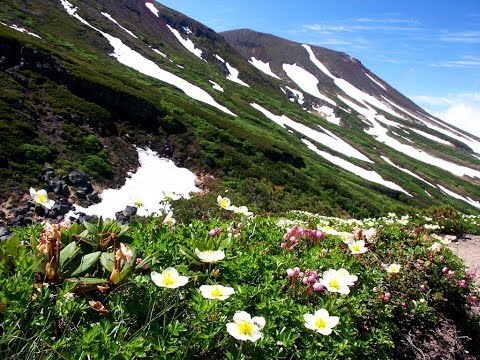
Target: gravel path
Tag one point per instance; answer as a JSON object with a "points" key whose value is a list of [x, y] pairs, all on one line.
{"points": [[468, 249]]}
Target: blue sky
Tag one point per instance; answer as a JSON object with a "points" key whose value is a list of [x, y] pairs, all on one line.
{"points": [[428, 50]]}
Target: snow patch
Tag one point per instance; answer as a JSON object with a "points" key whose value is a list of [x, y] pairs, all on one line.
{"points": [[468, 200], [388, 161], [263, 67], [152, 8], [160, 53], [298, 95], [22, 30], [376, 82], [380, 133], [233, 74], [306, 81], [216, 86], [109, 17], [186, 43], [136, 61], [219, 58], [325, 138], [349, 89], [369, 175], [154, 178], [328, 113], [431, 137]]}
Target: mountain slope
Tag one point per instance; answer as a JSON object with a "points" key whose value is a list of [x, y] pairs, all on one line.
{"points": [[128, 73]]}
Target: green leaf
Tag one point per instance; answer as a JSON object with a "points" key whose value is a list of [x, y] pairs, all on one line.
{"points": [[68, 253], [224, 244], [92, 229], [87, 262], [88, 281], [124, 274], [107, 260], [12, 244], [123, 230]]}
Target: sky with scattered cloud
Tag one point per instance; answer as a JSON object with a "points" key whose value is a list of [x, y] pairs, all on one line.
{"points": [[429, 50]]}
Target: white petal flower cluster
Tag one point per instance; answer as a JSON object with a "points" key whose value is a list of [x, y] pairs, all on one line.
{"points": [[338, 280]]}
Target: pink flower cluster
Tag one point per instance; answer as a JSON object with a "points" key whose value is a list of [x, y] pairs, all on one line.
{"points": [[308, 278], [463, 283], [292, 236]]}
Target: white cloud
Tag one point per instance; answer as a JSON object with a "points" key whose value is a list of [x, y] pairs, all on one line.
{"points": [[461, 110]]}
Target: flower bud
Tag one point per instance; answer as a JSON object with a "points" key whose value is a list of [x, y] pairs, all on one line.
{"points": [[290, 272], [296, 269], [318, 287]]}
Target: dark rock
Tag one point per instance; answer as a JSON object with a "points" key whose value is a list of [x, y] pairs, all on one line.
{"points": [[49, 174], [125, 216], [60, 209], [94, 198], [20, 211], [40, 211], [2, 214], [80, 180], [16, 221], [5, 233], [81, 194], [86, 189], [27, 220]]}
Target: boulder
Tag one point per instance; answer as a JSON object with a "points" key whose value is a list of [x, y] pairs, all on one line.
{"points": [[125, 216], [80, 180]]}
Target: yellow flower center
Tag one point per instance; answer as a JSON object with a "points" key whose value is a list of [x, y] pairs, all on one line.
{"points": [[320, 323], [335, 284], [245, 328], [42, 198], [224, 203], [168, 279], [355, 247], [216, 292]]}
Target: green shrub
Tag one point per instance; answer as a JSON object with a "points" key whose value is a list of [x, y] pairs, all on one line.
{"points": [[38, 153], [95, 166]]}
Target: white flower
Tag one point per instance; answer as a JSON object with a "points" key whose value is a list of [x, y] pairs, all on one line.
{"points": [[242, 210], [358, 247], [169, 278], [321, 321], [224, 203], [138, 202], [210, 256], [370, 234], [216, 292], [169, 220], [350, 279], [445, 241], [347, 238], [393, 268], [40, 197], [244, 327], [435, 246], [171, 196], [335, 282]]}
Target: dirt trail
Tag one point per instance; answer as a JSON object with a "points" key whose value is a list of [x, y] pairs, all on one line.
{"points": [[468, 249]]}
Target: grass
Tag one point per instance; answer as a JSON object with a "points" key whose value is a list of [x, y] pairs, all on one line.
{"points": [[47, 317]]}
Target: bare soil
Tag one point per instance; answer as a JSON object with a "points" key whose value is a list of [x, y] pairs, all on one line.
{"points": [[468, 249]]}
